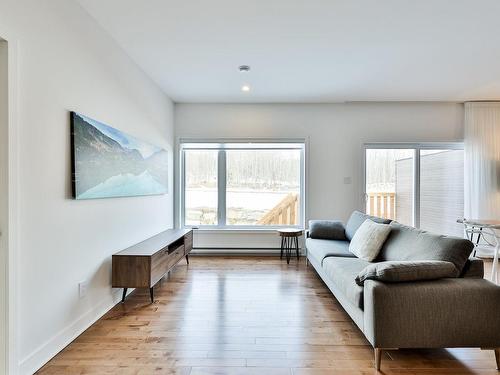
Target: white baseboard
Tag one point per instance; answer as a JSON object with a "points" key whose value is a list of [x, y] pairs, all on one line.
{"points": [[63, 338]]}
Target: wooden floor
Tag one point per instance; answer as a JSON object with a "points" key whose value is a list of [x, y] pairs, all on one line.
{"points": [[242, 316]]}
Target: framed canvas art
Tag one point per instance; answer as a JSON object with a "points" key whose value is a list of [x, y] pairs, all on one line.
{"points": [[109, 163]]}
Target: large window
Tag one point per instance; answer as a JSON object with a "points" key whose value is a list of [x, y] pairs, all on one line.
{"points": [[416, 184], [242, 184]]}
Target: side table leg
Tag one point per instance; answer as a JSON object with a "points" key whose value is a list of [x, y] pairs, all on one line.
{"points": [[124, 294], [297, 247], [288, 250], [282, 247], [152, 294]]}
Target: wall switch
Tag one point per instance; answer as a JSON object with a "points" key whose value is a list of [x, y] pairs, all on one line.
{"points": [[82, 288], [347, 180]]}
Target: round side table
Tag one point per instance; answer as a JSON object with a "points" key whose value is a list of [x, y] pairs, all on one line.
{"points": [[289, 242]]}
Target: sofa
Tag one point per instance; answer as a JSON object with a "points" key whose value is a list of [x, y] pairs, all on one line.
{"points": [[461, 310]]}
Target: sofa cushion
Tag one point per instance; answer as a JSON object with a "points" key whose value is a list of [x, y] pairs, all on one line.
{"points": [[408, 243], [343, 272], [357, 218], [327, 230], [368, 240], [406, 270], [320, 249]]}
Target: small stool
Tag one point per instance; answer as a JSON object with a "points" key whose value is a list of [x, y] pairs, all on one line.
{"points": [[289, 241]]}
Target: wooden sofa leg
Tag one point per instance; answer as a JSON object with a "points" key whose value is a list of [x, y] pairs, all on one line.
{"points": [[497, 357], [378, 358]]}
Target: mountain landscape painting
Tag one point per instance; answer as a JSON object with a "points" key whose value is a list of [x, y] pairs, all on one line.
{"points": [[109, 163]]}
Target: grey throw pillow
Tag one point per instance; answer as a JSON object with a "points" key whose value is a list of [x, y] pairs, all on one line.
{"points": [[327, 230], [401, 271]]}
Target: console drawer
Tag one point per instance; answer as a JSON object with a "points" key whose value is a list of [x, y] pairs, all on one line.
{"points": [[159, 265], [175, 256]]}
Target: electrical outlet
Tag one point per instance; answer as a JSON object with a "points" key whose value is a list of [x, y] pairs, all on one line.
{"points": [[82, 288]]}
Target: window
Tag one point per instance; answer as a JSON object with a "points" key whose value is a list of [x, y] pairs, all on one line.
{"points": [[416, 184], [201, 187], [242, 184]]}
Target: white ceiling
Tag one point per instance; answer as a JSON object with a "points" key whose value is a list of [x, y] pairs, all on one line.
{"points": [[311, 50]]}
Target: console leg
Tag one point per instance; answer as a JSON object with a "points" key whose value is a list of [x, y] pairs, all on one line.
{"points": [[378, 358], [497, 357], [124, 294], [152, 294], [187, 259]]}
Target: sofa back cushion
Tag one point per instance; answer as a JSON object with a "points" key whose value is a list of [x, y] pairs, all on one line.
{"points": [[408, 243], [357, 218], [474, 268]]}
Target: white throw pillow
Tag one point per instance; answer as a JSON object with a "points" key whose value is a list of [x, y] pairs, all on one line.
{"points": [[368, 239]]}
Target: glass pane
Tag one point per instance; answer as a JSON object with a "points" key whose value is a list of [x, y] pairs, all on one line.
{"points": [[263, 187], [442, 191], [201, 187], [389, 184]]}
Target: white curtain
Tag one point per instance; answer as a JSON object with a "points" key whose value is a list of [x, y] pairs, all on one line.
{"points": [[482, 160]]}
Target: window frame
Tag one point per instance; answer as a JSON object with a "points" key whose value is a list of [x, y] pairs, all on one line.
{"points": [[417, 147], [222, 145]]}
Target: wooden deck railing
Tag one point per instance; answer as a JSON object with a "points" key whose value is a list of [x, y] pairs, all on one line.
{"points": [[381, 204], [284, 213]]}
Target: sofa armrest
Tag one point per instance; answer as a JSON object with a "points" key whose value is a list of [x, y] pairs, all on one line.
{"points": [[443, 313]]}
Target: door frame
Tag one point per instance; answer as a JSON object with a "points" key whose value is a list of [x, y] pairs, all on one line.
{"points": [[417, 146], [11, 365]]}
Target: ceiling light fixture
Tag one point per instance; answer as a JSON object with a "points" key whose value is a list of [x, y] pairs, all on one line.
{"points": [[245, 88], [244, 68]]}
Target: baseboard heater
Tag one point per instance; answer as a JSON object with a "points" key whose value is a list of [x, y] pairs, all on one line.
{"points": [[271, 251]]}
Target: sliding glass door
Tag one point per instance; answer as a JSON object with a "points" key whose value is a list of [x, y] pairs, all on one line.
{"points": [[416, 184], [441, 190], [389, 183]]}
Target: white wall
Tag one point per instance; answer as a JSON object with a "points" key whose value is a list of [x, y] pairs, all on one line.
{"points": [[3, 202], [66, 62], [336, 133]]}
